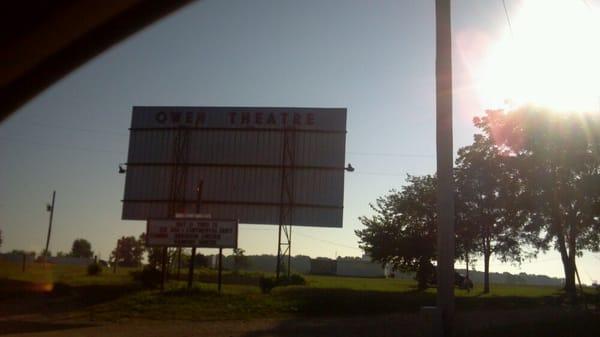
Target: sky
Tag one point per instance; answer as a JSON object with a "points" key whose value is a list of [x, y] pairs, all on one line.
{"points": [[376, 58]]}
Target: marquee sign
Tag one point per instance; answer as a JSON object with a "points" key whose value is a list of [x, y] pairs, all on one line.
{"points": [[205, 233]]}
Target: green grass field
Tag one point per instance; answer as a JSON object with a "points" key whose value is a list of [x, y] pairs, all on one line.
{"points": [[72, 275], [116, 297]]}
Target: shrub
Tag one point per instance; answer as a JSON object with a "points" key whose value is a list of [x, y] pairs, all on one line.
{"points": [[94, 268], [297, 280], [61, 289], [266, 284], [150, 277], [292, 280]]}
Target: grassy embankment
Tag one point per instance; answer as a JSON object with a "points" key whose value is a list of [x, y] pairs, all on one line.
{"points": [[72, 293]]}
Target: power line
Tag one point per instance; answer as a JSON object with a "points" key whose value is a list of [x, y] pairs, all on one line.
{"points": [[60, 146], [507, 17], [87, 149], [62, 127], [121, 134], [327, 241], [587, 4], [407, 155], [308, 236], [257, 229], [372, 173], [541, 261], [580, 266]]}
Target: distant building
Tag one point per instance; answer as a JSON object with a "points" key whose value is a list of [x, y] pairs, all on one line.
{"points": [[347, 266], [17, 258], [323, 266], [360, 267]]}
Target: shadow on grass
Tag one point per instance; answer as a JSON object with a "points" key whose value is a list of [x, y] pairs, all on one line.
{"points": [[194, 292], [199, 304], [33, 298], [536, 322], [96, 294], [506, 302], [300, 301], [311, 301], [18, 327], [405, 325], [16, 289], [307, 301], [583, 324], [244, 278]]}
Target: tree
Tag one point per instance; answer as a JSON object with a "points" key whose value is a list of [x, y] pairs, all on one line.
{"points": [[558, 159], [45, 253], [240, 261], [81, 248], [488, 194], [171, 259], [466, 243], [154, 254], [203, 261], [129, 252], [402, 233]]}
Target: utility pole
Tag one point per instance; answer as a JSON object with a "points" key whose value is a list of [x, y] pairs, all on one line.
{"points": [[444, 152], [116, 258], [49, 208]]}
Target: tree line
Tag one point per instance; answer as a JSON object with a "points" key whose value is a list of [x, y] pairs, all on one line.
{"points": [[130, 252], [80, 248], [529, 182]]}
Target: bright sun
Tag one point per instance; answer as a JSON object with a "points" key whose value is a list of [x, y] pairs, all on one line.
{"points": [[552, 58]]}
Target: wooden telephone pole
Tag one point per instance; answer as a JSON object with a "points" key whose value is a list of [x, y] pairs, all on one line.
{"points": [[49, 208], [444, 151]]}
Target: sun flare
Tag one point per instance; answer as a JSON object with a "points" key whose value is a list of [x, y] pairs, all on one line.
{"points": [[552, 58]]}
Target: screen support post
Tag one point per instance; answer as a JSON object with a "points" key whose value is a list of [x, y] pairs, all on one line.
{"points": [[163, 267], [193, 256], [220, 268], [286, 207]]}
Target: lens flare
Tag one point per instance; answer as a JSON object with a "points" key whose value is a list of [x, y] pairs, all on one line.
{"points": [[551, 59]]}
